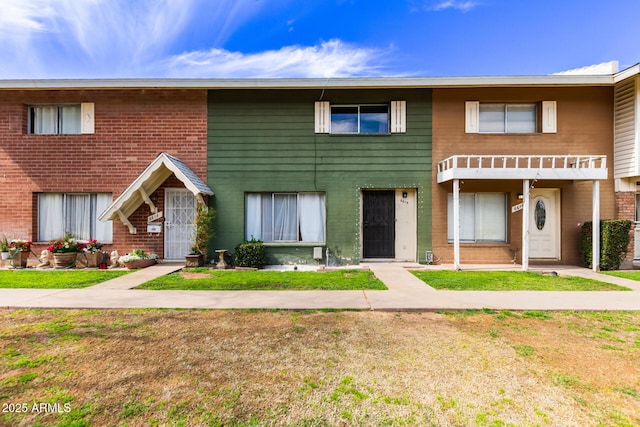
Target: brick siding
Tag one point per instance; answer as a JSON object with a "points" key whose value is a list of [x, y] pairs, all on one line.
{"points": [[131, 128]]}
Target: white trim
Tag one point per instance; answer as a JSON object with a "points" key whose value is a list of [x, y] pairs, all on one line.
{"points": [[595, 227], [549, 116], [87, 117], [322, 116], [560, 167], [525, 224], [398, 116], [472, 116], [149, 180], [323, 83]]}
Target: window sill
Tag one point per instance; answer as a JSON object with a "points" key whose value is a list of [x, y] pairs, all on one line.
{"points": [[284, 244], [481, 244], [360, 134]]}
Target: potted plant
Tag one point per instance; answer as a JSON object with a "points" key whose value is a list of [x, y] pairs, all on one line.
{"points": [[138, 259], [4, 247], [21, 251], [93, 253], [203, 233], [65, 251]]}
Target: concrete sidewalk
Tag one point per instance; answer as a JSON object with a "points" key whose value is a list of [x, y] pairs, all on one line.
{"points": [[405, 292]]}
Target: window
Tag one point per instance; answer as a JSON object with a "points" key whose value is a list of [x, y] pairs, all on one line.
{"points": [[360, 119], [285, 217], [485, 117], [61, 119], [508, 118], [63, 213], [483, 217]]}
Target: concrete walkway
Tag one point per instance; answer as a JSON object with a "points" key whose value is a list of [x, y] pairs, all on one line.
{"points": [[405, 292]]}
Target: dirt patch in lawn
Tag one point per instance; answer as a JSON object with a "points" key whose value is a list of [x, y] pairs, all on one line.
{"points": [[194, 275], [158, 367]]}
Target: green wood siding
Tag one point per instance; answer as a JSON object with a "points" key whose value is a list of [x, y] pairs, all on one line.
{"points": [[264, 141]]}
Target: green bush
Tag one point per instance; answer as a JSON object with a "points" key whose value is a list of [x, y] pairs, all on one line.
{"points": [[250, 253], [614, 241]]}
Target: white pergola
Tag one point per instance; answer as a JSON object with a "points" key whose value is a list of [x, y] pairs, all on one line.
{"points": [[528, 169]]}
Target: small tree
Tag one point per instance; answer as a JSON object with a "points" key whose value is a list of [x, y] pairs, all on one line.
{"points": [[204, 230]]}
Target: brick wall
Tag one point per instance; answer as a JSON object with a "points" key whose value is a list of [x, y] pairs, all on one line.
{"points": [[131, 128], [585, 126], [626, 209]]}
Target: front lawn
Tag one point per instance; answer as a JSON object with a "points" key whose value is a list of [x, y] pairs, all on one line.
{"points": [[510, 281], [632, 275], [56, 279], [217, 280]]}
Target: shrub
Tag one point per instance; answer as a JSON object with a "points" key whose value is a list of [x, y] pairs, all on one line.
{"points": [[250, 253], [204, 230], [614, 241]]}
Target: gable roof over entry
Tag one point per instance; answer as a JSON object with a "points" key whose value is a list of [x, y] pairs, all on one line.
{"points": [[147, 182]]}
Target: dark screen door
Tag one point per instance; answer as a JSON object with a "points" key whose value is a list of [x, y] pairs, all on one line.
{"points": [[379, 224]]}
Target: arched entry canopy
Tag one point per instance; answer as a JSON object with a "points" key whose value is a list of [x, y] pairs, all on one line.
{"points": [[147, 182], [528, 169]]}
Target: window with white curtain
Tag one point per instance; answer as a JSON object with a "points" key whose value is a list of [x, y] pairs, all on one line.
{"points": [[55, 119], [285, 217], [507, 118], [70, 213], [483, 217]]}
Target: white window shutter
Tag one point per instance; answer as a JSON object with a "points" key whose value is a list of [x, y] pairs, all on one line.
{"points": [[472, 116], [398, 116], [87, 120], [322, 116], [549, 117]]}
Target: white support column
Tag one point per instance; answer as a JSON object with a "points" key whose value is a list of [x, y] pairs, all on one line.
{"points": [[595, 251], [525, 225], [456, 224]]}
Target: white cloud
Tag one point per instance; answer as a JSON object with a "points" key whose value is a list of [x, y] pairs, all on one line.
{"points": [[333, 58], [126, 38], [463, 6]]}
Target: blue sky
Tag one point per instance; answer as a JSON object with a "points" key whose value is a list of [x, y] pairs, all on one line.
{"points": [[311, 38]]}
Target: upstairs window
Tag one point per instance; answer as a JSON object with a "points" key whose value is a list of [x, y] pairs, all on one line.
{"points": [[368, 119], [491, 117], [508, 118], [60, 119], [363, 119]]}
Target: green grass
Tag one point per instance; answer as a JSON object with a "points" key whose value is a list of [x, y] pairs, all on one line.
{"points": [[633, 275], [39, 279], [510, 281], [267, 280]]}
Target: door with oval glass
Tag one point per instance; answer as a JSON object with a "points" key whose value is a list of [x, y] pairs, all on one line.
{"points": [[544, 223]]}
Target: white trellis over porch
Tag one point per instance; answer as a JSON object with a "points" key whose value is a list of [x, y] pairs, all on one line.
{"points": [[528, 169]]}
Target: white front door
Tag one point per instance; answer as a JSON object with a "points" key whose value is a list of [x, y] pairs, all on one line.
{"points": [[544, 223], [179, 214]]}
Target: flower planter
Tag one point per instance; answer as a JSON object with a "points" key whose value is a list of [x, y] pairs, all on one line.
{"points": [[93, 259], [192, 261], [5, 255], [20, 259], [64, 260], [139, 263]]}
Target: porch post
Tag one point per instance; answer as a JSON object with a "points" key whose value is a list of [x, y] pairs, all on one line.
{"points": [[595, 251], [525, 225], [456, 224]]}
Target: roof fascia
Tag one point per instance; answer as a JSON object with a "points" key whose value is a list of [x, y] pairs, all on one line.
{"points": [[626, 73], [337, 83]]}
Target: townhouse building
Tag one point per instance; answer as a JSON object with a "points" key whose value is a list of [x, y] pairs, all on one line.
{"points": [[451, 169]]}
